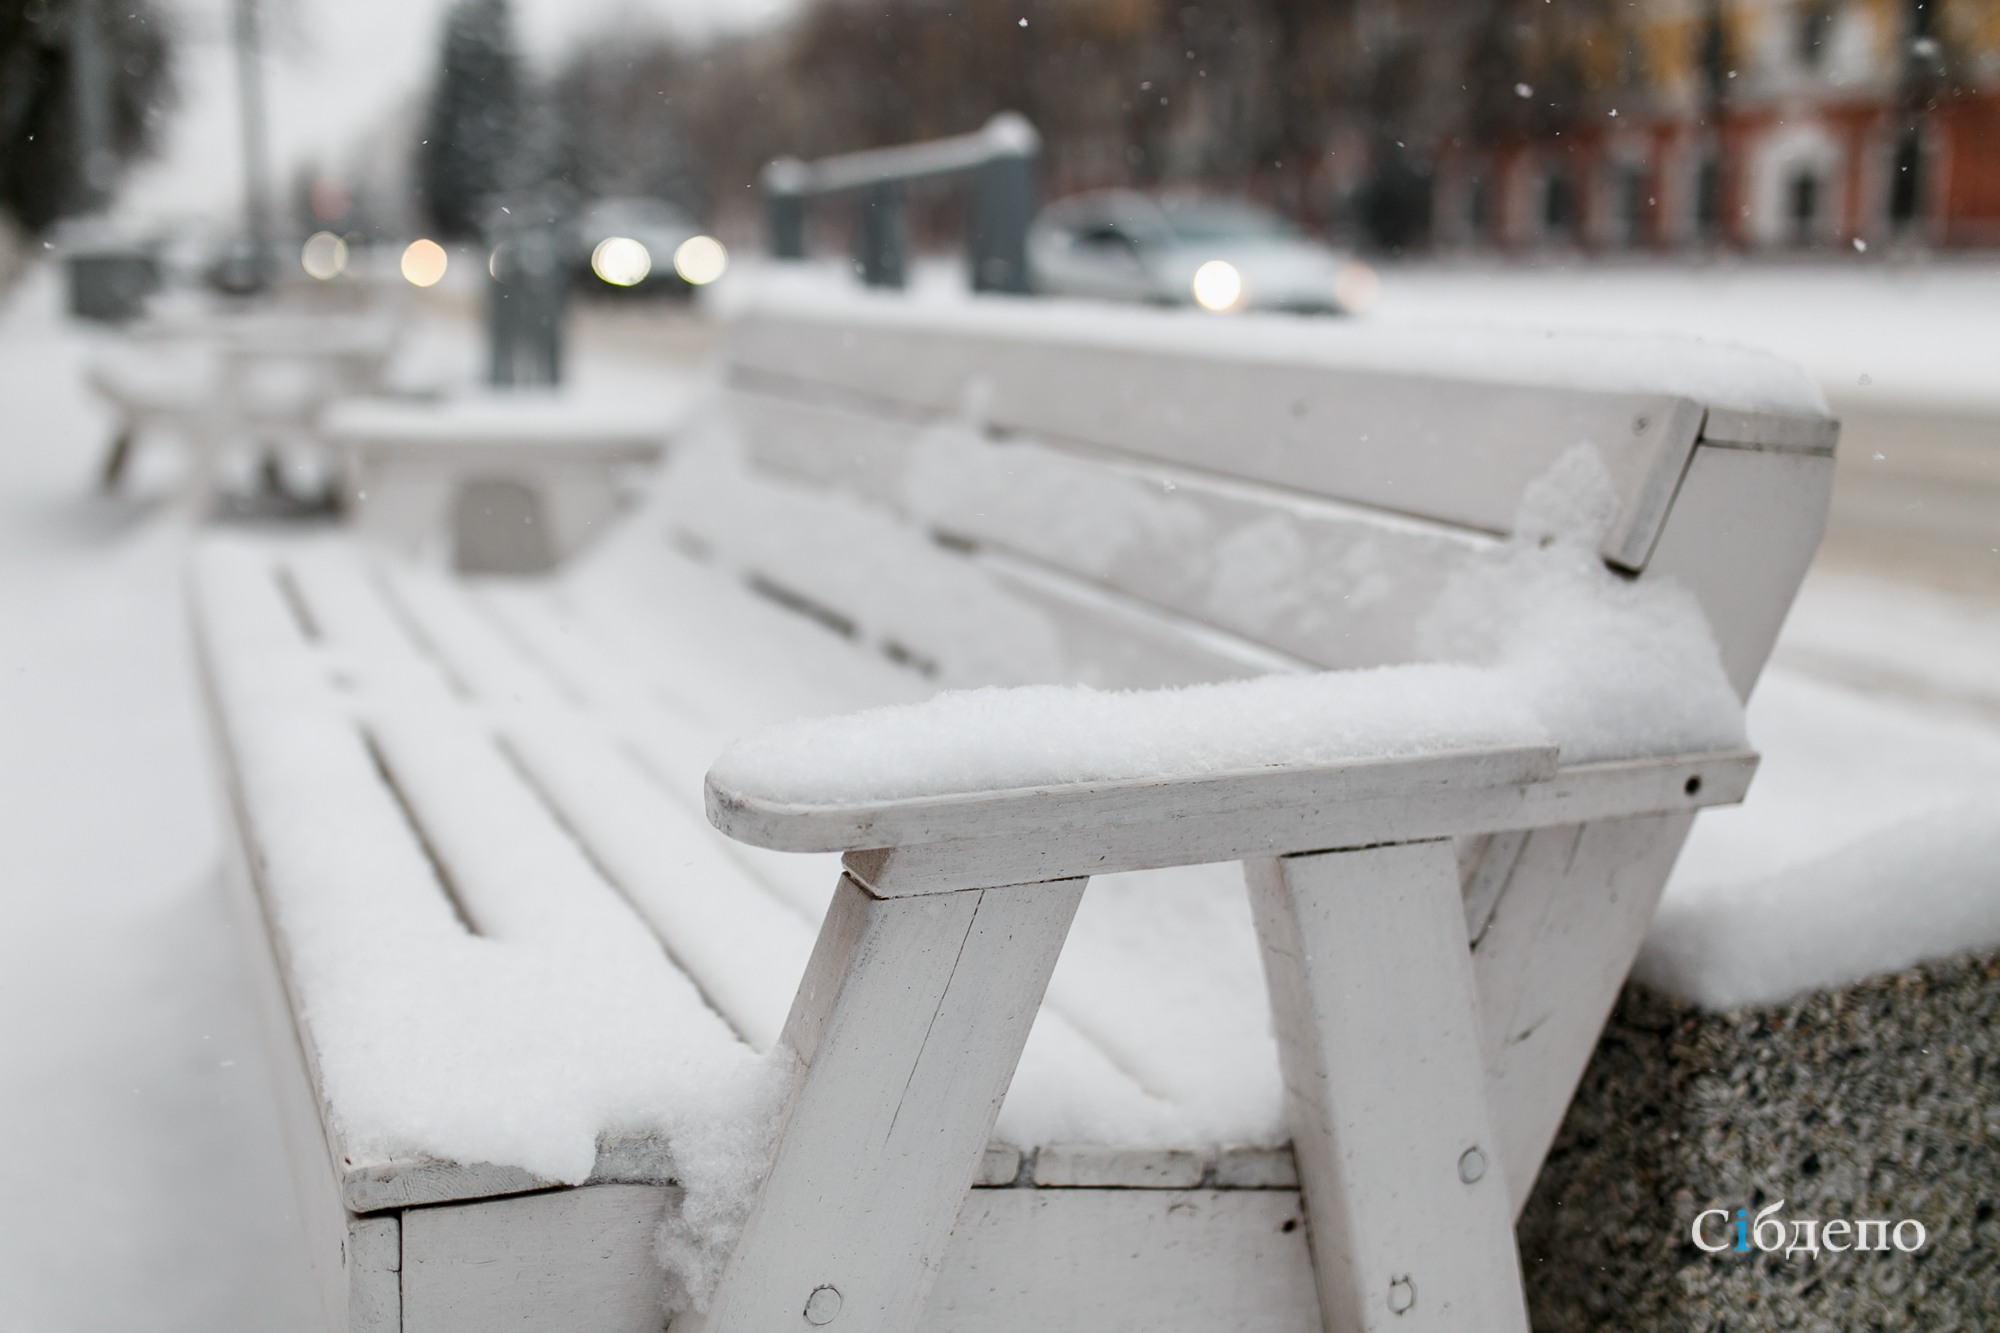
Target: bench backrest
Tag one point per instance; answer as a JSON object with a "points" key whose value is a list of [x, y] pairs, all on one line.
{"points": [[1247, 494]]}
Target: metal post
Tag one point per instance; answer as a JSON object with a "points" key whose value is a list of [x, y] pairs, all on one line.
{"points": [[1000, 156], [527, 290], [879, 234], [784, 183], [250, 100], [1004, 198]]}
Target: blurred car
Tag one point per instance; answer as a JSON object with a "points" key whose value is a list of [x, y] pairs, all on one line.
{"points": [[632, 244], [1220, 254]]}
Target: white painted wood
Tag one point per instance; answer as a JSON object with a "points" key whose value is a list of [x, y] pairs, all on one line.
{"points": [[999, 1167], [1770, 430], [1290, 792], [1018, 1261], [1378, 1034], [1107, 1166], [1147, 835], [1550, 965], [1256, 1169], [1498, 853], [1307, 578], [375, 1279], [1125, 1261], [403, 463], [562, 1261], [1744, 527], [354, 1258], [1296, 420], [1344, 496], [908, 1024]]}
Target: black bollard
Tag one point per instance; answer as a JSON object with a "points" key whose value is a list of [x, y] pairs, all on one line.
{"points": [[527, 292]]}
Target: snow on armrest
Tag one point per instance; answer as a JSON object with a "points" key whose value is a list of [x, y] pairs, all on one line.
{"points": [[982, 763]]}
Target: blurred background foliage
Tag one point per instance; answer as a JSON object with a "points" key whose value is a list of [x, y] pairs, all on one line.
{"points": [[43, 171]]}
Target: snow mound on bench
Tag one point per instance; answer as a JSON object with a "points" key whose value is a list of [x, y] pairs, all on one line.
{"points": [[1537, 643]]}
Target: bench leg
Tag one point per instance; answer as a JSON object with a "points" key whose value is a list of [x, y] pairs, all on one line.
{"points": [[909, 1022], [115, 461], [1378, 1032]]}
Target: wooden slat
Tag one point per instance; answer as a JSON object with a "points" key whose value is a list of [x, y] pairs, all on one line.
{"points": [[958, 618], [1323, 582], [355, 1259], [1106, 1166], [909, 1023], [1458, 450], [1054, 1261], [1378, 1032], [1256, 1169], [556, 1262], [1770, 430], [740, 945], [1126, 1261]]}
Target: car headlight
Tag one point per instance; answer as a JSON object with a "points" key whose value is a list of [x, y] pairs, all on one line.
{"points": [[1217, 285], [700, 260], [1355, 287], [621, 261]]}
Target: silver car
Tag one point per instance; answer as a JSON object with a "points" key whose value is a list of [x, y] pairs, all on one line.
{"points": [[1119, 245]]}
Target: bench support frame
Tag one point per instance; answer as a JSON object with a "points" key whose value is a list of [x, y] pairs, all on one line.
{"points": [[1372, 993], [908, 1024]]}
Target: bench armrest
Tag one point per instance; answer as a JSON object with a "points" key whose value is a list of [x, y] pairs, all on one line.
{"points": [[929, 844]]}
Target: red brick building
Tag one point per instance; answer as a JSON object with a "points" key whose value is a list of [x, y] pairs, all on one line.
{"points": [[1751, 123]]}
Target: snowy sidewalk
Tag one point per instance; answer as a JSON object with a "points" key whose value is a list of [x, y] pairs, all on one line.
{"points": [[144, 1179]]}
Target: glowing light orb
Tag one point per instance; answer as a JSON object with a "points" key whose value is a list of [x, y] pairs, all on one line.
{"points": [[324, 255], [621, 261], [1356, 288], [1217, 285], [424, 263], [700, 260]]}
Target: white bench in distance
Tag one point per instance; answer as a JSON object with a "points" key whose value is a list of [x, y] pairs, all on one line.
{"points": [[509, 482], [1001, 492]]}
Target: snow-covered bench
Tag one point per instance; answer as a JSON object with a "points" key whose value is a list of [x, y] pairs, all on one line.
{"points": [[510, 483], [510, 955], [217, 381]]}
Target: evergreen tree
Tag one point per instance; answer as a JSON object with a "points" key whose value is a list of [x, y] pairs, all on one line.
{"points": [[472, 135], [41, 157]]}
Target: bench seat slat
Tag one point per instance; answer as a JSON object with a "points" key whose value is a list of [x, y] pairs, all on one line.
{"points": [[402, 1011], [743, 947]]}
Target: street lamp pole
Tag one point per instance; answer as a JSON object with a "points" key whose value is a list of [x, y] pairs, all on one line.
{"points": [[91, 94]]}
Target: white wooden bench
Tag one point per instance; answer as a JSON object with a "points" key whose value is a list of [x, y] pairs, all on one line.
{"points": [[218, 380], [509, 483], [461, 802]]}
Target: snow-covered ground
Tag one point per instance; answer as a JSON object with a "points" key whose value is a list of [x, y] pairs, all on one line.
{"points": [[142, 1168], [1876, 335], [144, 1181]]}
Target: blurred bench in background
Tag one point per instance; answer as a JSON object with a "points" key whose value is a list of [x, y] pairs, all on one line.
{"points": [[515, 484]]}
